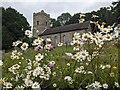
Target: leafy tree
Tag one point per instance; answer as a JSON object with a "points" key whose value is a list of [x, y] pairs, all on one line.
{"points": [[14, 24], [7, 38], [116, 11], [74, 19], [54, 23], [63, 18]]}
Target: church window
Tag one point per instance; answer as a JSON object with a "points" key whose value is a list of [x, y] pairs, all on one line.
{"points": [[37, 22], [55, 40], [46, 23], [64, 39]]}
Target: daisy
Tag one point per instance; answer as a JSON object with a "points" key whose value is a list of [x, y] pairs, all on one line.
{"points": [[84, 53], [1, 63], [39, 57], [16, 66], [36, 42], [47, 46], [54, 85], [24, 46], [36, 85], [117, 84], [16, 43], [69, 54], [105, 85], [105, 30], [96, 85], [8, 85], [81, 20], [28, 82], [48, 40], [60, 44], [46, 76], [108, 37], [68, 78], [99, 43], [28, 32], [85, 36], [76, 48], [76, 34], [52, 62], [72, 43]]}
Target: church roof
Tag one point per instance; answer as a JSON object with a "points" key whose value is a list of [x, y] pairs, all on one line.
{"points": [[67, 28]]}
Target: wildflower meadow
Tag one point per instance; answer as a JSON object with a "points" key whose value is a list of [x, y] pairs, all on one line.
{"points": [[90, 62]]}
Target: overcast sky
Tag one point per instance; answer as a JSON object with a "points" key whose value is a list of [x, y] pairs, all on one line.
{"points": [[55, 7]]}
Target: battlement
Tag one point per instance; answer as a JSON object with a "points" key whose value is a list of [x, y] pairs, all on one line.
{"points": [[41, 13]]}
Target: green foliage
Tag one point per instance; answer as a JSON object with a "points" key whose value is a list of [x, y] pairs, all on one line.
{"points": [[109, 15], [54, 23], [7, 38], [58, 55], [15, 23], [74, 19], [116, 11], [64, 18]]}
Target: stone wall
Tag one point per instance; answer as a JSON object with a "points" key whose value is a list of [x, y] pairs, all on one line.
{"points": [[41, 21], [65, 38]]}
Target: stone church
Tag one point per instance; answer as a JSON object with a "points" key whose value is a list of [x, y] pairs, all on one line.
{"points": [[63, 34]]}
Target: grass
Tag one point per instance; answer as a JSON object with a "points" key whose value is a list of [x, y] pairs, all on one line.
{"points": [[108, 56]]}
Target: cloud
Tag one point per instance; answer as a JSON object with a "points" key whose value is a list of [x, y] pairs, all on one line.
{"points": [[55, 8]]}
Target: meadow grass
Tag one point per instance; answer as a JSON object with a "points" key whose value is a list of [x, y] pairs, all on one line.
{"points": [[108, 56]]}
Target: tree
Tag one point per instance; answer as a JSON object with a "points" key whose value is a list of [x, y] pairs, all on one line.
{"points": [[74, 19], [54, 23], [7, 38], [14, 24], [116, 11], [63, 18]]}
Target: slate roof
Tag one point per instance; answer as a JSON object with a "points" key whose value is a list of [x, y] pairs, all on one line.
{"points": [[67, 28]]}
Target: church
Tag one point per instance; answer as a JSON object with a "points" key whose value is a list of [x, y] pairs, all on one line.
{"points": [[63, 34]]}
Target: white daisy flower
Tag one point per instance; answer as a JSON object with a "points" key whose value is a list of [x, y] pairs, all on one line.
{"points": [[85, 36], [24, 46], [48, 40], [47, 46], [108, 37], [39, 57], [1, 63], [28, 82], [76, 48], [96, 85], [68, 78], [36, 85], [69, 54], [54, 85], [105, 85], [117, 84], [84, 53], [60, 44], [8, 85], [36, 42], [28, 32], [104, 30]]}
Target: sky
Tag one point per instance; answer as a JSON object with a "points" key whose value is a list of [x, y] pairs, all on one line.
{"points": [[55, 7]]}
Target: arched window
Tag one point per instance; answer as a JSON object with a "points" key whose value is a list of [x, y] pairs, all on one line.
{"points": [[37, 22], [64, 39], [46, 23], [55, 40]]}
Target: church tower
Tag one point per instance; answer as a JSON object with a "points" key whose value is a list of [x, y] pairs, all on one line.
{"points": [[41, 22]]}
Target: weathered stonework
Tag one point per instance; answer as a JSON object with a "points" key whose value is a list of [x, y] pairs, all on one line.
{"points": [[41, 21], [64, 38]]}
